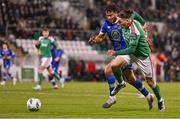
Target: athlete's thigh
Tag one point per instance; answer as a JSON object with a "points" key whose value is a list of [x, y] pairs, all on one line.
{"points": [[46, 62], [129, 75], [120, 61]]}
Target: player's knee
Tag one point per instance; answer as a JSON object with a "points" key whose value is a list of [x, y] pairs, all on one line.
{"points": [[40, 70], [108, 70], [150, 82]]}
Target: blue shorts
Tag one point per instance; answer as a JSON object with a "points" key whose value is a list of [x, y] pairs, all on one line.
{"points": [[6, 66], [55, 68]]}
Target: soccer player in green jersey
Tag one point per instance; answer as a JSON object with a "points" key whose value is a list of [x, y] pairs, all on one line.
{"points": [[138, 52], [45, 44], [114, 32]]}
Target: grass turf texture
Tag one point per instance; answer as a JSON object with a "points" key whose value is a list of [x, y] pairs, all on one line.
{"points": [[84, 100]]}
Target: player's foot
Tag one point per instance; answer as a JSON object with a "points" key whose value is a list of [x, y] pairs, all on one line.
{"points": [[150, 100], [56, 87], [118, 88], [14, 81], [161, 105], [37, 87], [3, 83], [109, 102], [62, 81]]}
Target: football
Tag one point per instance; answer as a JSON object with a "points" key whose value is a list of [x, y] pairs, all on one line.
{"points": [[33, 104]]}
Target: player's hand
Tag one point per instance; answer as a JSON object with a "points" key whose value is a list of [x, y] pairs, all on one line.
{"points": [[92, 39], [57, 59], [111, 52]]}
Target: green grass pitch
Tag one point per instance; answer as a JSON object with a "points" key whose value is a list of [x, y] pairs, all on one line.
{"points": [[84, 100]]}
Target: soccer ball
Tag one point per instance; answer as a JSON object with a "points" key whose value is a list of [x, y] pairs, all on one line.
{"points": [[33, 104]]}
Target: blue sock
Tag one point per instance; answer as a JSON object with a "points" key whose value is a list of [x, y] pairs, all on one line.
{"points": [[4, 78], [10, 75], [139, 85], [52, 81], [111, 82]]}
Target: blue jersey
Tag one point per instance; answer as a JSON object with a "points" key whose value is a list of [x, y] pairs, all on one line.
{"points": [[56, 53], [7, 55], [114, 32]]}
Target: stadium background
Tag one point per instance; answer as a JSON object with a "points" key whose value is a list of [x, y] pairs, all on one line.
{"points": [[72, 21]]}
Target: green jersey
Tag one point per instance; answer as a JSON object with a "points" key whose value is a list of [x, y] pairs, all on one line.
{"points": [[45, 46], [135, 40]]}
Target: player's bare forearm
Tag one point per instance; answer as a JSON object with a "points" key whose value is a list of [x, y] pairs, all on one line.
{"points": [[96, 39]]}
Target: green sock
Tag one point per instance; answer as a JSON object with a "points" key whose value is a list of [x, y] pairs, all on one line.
{"points": [[156, 91], [118, 75], [56, 75], [41, 78]]}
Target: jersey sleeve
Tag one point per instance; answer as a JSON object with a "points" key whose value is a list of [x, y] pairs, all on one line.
{"points": [[136, 16], [38, 45], [51, 39], [103, 28], [60, 53]]}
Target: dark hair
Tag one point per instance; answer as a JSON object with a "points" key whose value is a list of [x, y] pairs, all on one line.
{"points": [[45, 29], [5, 43], [126, 13], [111, 8]]}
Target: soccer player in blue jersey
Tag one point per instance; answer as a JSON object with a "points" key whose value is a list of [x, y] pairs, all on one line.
{"points": [[56, 57], [7, 55], [114, 32]]}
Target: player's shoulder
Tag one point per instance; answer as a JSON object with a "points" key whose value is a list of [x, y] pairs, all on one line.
{"points": [[40, 38], [51, 38], [105, 22]]}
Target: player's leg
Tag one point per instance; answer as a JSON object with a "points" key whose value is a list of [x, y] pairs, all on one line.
{"points": [[147, 69], [137, 83], [11, 76], [42, 67], [4, 77], [57, 75], [111, 83], [51, 77], [62, 79], [116, 65]]}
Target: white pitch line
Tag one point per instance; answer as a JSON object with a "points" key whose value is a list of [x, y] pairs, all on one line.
{"points": [[69, 94]]}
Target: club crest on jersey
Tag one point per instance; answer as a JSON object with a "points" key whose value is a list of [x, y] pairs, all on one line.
{"points": [[115, 34]]}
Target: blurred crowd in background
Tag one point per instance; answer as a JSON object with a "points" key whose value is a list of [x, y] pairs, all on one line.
{"points": [[23, 18]]}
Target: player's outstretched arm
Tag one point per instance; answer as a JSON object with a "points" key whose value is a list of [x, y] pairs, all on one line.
{"points": [[96, 38], [132, 46]]}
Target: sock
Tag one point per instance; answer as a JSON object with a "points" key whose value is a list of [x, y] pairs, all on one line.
{"points": [[56, 75], [111, 82], [4, 78], [41, 78], [52, 81], [139, 85], [10, 75], [156, 91], [118, 75]]}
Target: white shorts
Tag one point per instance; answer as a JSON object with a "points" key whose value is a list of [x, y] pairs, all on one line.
{"points": [[46, 61], [145, 64]]}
